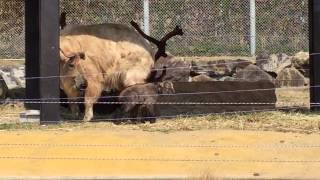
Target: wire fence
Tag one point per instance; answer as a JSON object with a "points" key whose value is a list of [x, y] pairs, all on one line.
{"points": [[229, 100], [112, 99], [212, 27]]}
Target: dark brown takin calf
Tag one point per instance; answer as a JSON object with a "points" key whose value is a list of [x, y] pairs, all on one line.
{"points": [[139, 100]]}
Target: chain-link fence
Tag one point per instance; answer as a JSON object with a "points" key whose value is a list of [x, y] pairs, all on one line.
{"points": [[11, 29], [212, 27]]}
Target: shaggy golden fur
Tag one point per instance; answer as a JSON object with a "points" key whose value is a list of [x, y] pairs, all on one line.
{"points": [[115, 57]]}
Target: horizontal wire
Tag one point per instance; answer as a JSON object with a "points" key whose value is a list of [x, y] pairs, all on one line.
{"points": [[172, 103], [263, 146], [234, 36], [156, 159], [293, 106], [157, 69], [240, 35], [176, 116], [156, 95]]}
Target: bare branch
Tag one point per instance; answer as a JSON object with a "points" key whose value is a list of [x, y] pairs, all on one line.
{"points": [[160, 44], [175, 32], [149, 38]]}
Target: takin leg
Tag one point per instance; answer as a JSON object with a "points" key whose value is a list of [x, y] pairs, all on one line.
{"points": [[146, 112], [152, 113], [133, 117], [73, 95], [92, 94]]}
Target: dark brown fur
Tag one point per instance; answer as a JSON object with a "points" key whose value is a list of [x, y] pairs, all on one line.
{"points": [[144, 95]]}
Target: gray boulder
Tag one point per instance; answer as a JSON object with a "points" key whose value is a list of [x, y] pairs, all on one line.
{"points": [[252, 73], [12, 83], [13, 77], [202, 78], [290, 77], [217, 68], [3, 89], [301, 62], [275, 63], [227, 78]]}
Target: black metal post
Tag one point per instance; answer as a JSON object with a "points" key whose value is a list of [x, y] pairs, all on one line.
{"points": [[49, 60], [42, 56], [32, 51], [314, 48]]}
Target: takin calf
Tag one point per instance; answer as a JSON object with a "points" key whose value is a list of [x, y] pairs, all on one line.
{"points": [[139, 100]]}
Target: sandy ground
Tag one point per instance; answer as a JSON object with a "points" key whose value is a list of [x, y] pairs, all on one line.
{"points": [[128, 153]]}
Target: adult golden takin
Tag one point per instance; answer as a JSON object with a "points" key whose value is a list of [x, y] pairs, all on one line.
{"points": [[107, 56]]}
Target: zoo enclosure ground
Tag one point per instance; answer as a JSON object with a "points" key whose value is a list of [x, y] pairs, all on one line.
{"points": [[114, 153]]}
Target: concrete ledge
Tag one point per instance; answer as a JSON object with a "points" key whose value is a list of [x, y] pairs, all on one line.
{"points": [[30, 116]]}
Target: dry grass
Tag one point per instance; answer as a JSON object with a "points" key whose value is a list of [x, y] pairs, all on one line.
{"points": [[299, 122], [11, 62], [301, 96], [289, 121], [266, 121], [9, 113], [302, 122]]}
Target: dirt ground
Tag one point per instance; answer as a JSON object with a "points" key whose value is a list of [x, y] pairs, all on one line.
{"points": [[205, 154]]}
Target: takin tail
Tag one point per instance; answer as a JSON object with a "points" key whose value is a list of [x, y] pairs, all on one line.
{"points": [[115, 80], [152, 76]]}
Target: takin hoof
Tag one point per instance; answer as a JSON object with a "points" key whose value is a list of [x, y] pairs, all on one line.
{"points": [[88, 116], [152, 121], [87, 119]]}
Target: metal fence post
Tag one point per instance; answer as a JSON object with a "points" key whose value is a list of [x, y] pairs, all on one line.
{"points": [[146, 17], [314, 48], [252, 27], [42, 54], [49, 59], [32, 49]]}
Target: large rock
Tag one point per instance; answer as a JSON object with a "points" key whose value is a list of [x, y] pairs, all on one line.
{"points": [[301, 62], [12, 82], [178, 70], [290, 77], [202, 78], [228, 78], [13, 77], [217, 68], [275, 63], [3, 89], [252, 73]]}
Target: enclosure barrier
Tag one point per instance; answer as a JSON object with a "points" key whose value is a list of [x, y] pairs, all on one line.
{"points": [[211, 27], [191, 99]]}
